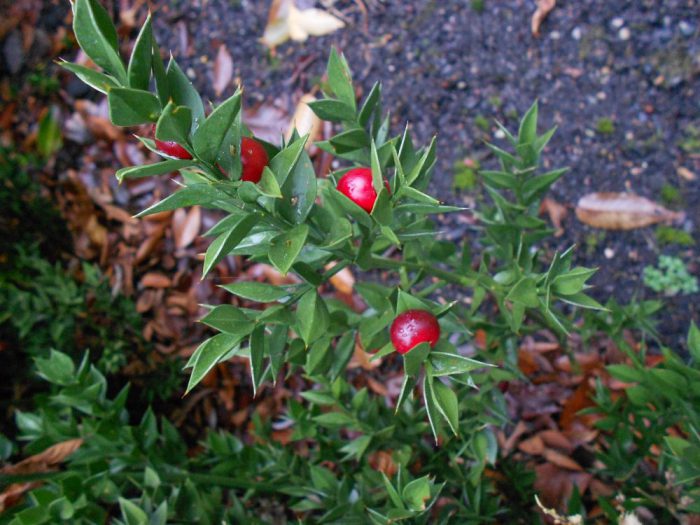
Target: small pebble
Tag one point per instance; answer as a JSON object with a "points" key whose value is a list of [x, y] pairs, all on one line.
{"points": [[617, 23], [499, 134], [191, 74], [686, 28], [576, 33], [609, 253], [624, 34], [555, 35]]}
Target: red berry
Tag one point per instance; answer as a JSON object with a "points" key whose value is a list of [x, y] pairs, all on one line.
{"points": [[171, 148], [357, 186], [412, 328], [253, 159]]}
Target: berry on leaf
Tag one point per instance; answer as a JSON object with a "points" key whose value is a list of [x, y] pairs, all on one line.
{"points": [[357, 186], [253, 159], [171, 148], [412, 328]]}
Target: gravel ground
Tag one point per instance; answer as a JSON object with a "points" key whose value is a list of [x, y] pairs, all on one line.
{"points": [[620, 80]]}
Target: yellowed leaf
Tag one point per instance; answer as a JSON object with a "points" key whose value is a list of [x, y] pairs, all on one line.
{"points": [[622, 211], [686, 173], [543, 9], [286, 20]]}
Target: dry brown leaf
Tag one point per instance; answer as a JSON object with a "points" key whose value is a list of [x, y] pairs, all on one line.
{"points": [[557, 213], [554, 438], [223, 70], [186, 226], [561, 460], [50, 457], [361, 359], [267, 121], [382, 461], [533, 446], [156, 280], [343, 281], [686, 174], [286, 20], [543, 9], [622, 211], [305, 121]]}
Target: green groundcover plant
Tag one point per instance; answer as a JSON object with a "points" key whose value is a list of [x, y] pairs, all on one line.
{"points": [[373, 215]]}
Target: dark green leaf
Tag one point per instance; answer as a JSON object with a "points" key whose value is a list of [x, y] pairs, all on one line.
{"points": [[414, 358], [370, 104], [227, 241], [208, 354], [333, 110], [131, 513], [196, 194], [334, 420], [254, 291], [351, 139], [131, 107], [96, 80], [284, 162], [343, 352], [572, 282], [58, 368], [97, 36], [445, 364], [447, 404], [694, 342], [524, 292], [285, 247], [528, 126], [183, 93], [210, 135], [340, 78], [140, 62], [312, 317], [299, 191], [159, 168], [228, 318], [258, 349], [174, 124]]}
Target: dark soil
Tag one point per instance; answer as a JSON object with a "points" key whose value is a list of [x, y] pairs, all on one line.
{"points": [[446, 66]]}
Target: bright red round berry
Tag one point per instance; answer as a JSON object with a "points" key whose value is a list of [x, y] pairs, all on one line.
{"points": [[171, 148], [357, 186], [253, 159], [412, 328]]}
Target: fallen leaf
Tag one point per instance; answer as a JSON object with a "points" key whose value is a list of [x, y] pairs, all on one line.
{"points": [[382, 461], [305, 121], [223, 70], [554, 438], [156, 280], [574, 519], [186, 226], [285, 20], [267, 121], [561, 460], [50, 457], [543, 9], [343, 281], [685, 173], [557, 212], [533, 446], [622, 211]]}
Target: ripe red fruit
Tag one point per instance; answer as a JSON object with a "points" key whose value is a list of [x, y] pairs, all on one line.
{"points": [[253, 159], [171, 148], [357, 186], [412, 328]]}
